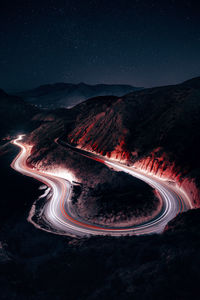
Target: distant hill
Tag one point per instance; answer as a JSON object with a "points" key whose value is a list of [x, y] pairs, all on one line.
{"points": [[15, 114], [68, 95]]}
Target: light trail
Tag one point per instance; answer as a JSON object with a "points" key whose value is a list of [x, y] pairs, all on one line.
{"points": [[57, 215]]}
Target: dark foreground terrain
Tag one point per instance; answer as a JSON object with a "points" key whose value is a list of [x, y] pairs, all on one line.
{"points": [[38, 265]]}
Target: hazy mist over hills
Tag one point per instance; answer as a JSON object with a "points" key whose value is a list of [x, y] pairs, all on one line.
{"points": [[68, 95]]}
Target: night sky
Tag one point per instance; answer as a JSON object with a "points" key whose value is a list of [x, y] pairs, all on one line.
{"points": [[143, 43]]}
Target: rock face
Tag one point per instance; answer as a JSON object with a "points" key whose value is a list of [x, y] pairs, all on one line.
{"points": [[158, 129], [101, 126], [68, 95]]}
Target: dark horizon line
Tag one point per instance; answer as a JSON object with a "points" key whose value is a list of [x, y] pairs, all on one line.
{"points": [[12, 90]]}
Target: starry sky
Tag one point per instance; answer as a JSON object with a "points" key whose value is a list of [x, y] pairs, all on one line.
{"points": [[138, 42]]}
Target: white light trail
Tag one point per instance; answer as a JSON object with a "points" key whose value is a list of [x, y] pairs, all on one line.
{"points": [[57, 211]]}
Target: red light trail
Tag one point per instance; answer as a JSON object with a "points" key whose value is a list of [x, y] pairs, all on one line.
{"points": [[57, 215]]}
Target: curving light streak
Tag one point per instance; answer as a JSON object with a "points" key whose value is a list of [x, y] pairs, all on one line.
{"points": [[57, 214]]}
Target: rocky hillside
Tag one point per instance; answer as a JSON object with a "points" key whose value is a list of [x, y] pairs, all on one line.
{"points": [[158, 128], [68, 95]]}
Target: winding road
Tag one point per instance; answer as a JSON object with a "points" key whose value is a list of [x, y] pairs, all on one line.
{"points": [[57, 212]]}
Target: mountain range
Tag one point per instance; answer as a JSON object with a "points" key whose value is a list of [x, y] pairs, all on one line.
{"points": [[67, 95]]}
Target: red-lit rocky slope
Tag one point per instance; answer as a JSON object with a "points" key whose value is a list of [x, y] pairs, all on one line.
{"points": [[158, 129]]}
